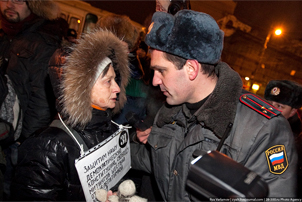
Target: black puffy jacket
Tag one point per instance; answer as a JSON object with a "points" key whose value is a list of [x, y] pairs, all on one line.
{"points": [[27, 56], [46, 165]]}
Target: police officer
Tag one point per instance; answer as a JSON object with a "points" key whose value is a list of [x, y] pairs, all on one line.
{"points": [[206, 109], [286, 96]]}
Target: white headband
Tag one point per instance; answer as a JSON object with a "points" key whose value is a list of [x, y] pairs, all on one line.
{"points": [[103, 64]]}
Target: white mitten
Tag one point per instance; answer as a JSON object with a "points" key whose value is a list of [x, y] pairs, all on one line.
{"points": [[101, 195], [126, 189]]}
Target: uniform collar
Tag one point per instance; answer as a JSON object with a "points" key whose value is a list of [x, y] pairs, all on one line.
{"points": [[219, 109]]}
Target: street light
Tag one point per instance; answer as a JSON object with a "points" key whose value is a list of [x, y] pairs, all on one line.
{"points": [[277, 32]]}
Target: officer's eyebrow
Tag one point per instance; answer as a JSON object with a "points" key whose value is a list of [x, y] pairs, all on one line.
{"points": [[157, 67]]}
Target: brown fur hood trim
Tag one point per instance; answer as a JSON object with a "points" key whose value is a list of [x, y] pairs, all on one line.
{"points": [[46, 9], [80, 70]]}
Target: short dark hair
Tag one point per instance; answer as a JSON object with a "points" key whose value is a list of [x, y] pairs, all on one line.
{"points": [[179, 62], [208, 69]]}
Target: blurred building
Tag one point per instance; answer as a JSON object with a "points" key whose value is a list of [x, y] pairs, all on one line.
{"points": [[282, 59]]}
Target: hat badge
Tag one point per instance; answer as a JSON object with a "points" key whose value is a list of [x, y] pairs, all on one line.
{"points": [[275, 91], [150, 27]]}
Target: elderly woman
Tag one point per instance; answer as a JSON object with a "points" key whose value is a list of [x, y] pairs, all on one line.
{"points": [[93, 85]]}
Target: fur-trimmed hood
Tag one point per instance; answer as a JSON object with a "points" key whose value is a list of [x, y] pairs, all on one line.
{"points": [[46, 9], [80, 70]]}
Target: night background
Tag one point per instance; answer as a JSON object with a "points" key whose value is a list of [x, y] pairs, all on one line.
{"points": [[261, 14], [136, 10]]}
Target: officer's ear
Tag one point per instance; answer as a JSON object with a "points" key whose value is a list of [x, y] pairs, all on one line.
{"points": [[192, 68], [292, 112]]}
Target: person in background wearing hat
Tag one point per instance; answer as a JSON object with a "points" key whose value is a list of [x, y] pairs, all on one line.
{"points": [[94, 75], [286, 96], [29, 35], [206, 109]]}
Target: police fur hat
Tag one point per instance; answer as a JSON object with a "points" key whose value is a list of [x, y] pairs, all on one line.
{"points": [[188, 34], [285, 92], [81, 69], [46, 9], [122, 27]]}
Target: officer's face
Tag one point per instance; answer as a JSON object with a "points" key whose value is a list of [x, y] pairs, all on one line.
{"points": [[286, 111], [172, 82], [14, 11]]}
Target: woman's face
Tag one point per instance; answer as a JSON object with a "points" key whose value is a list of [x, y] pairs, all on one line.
{"points": [[105, 90]]}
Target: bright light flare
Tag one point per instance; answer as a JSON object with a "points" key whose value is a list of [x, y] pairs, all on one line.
{"points": [[278, 32], [255, 86], [293, 72]]}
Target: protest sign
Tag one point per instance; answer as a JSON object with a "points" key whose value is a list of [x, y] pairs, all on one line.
{"points": [[102, 166]]}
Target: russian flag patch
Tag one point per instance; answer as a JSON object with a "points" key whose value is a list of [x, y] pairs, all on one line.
{"points": [[277, 159]]}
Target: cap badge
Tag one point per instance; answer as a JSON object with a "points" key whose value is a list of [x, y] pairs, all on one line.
{"points": [[150, 27], [275, 91]]}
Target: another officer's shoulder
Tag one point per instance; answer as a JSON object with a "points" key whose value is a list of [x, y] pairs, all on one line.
{"points": [[259, 105]]}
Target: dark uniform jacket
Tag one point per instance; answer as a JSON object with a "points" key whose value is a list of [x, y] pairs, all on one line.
{"points": [[252, 139], [26, 58], [46, 165]]}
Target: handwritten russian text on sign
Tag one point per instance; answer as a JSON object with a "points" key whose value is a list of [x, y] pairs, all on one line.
{"points": [[104, 165]]}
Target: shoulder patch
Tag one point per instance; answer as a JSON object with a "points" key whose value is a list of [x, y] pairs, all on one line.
{"points": [[277, 159], [259, 105]]}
